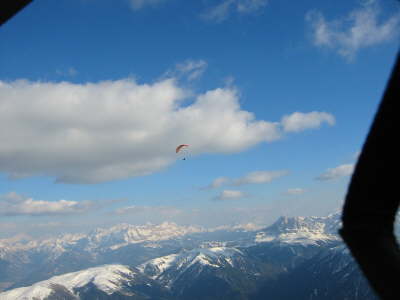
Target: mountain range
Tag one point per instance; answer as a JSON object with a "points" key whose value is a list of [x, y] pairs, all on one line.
{"points": [[294, 258]]}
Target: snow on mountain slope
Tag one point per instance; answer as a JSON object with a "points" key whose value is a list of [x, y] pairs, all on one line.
{"points": [[24, 261], [108, 279], [301, 230], [110, 238], [125, 234], [209, 273], [161, 268]]}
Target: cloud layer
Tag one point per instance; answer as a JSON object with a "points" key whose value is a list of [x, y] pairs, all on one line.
{"points": [[256, 177], [229, 195], [359, 29], [96, 132], [337, 172], [13, 204]]}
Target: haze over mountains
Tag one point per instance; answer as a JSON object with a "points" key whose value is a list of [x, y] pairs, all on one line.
{"points": [[294, 258]]}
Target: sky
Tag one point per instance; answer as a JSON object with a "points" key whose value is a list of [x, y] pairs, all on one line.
{"points": [[274, 99]]}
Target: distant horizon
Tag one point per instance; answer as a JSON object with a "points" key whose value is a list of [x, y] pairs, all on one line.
{"points": [[245, 226], [274, 99]]}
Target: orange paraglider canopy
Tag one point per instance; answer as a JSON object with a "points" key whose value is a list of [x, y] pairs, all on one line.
{"points": [[180, 147]]}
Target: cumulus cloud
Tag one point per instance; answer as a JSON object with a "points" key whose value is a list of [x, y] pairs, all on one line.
{"points": [[13, 204], [94, 132], [298, 121], [337, 172], [97, 132], [256, 177], [160, 210], [139, 4], [295, 191], [361, 28], [230, 195], [225, 8]]}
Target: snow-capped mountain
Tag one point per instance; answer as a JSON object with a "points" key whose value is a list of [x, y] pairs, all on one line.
{"points": [[298, 257], [125, 234], [290, 241], [108, 281], [214, 273], [24, 261], [161, 268], [102, 238], [302, 230]]}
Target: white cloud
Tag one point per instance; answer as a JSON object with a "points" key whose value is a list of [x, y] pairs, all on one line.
{"points": [[221, 11], [256, 177], [359, 29], [298, 121], [229, 195], [160, 210], [338, 172], [189, 69], [295, 191], [94, 132], [193, 69], [139, 4], [220, 181], [12, 204], [259, 177], [97, 132]]}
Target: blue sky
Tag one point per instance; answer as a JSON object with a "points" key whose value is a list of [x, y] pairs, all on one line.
{"points": [[274, 98]]}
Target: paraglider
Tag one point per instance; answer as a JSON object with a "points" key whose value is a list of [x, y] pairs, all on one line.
{"points": [[179, 148]]}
